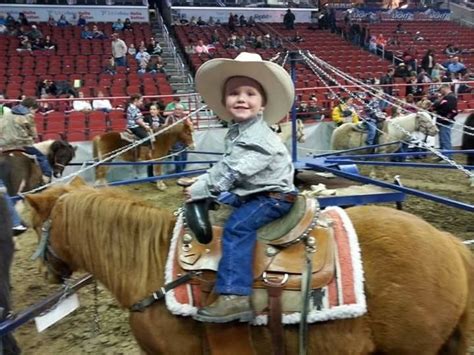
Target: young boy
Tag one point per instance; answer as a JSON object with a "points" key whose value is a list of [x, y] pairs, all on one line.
{"points": [[256, 168]]}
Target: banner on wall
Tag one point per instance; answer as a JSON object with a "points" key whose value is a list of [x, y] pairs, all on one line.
{"points": [[41, 13], [359, 14], [222, 14]]}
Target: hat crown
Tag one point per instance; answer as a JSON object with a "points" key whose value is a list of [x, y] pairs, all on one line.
{"points": [[248, 57]]}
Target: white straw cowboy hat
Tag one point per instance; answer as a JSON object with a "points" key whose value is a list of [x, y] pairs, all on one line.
{"points": [[274, 79]]}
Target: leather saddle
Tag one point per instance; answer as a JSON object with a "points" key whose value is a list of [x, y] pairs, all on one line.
{"points": [[128, 136], [281, 248]]}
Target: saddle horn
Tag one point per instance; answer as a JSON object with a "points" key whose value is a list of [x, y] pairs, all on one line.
{"points": [[197, 219]]}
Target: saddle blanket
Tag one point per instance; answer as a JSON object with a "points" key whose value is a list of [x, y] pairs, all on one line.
{"points": [[342, 298]]}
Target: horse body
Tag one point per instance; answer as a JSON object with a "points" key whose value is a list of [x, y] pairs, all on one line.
{"points": [[107, 143], [8, 345], [418, 280], [468, 138], [347, 136], [286, 132], [24, 174]]}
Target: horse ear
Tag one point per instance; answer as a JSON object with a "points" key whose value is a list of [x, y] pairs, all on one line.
{"points": [[42, 204], [77, 181]]}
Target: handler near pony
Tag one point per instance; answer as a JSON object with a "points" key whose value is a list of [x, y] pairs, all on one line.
{"points": [[256, 170]]}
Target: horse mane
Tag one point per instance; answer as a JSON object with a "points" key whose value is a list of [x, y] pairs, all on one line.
{"points": [[129, 237], [44, 146]]}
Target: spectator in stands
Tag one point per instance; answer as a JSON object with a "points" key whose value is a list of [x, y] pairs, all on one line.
{"points": [[201, 22], [242, 21], [413, 88], [193, 21], [22, 20], [410, 104], [374, 118], [437, 72], [37, 45], [400, 29], [171, 106], [297, 38], [45, 107], [211, 21], [251, 22], [132, 50], [215, 37], [51, 21], [3, 29], [381, 41], [464, 87], [373, 44], [345, 112], [127, 25], [315, 111], [142, 57], [401, 71], [48, 44], [202, 50], [386, 82], [456, 66], [160, 64], [267, 41], [81, 22], [110, 66], [418, 37], [142, 68], [289, 20], [86, 33], [25, 44], [62, 22], [118, 25], [34, 33], [231, 22], [409, 57], [179, 149], [101, 104], [154, 48], [119, 50], [424, 103], [81, 105], [433, 89], [302, 111], [46, 87], [446, 107], [428, 62], [96, 33], [451, 50]]}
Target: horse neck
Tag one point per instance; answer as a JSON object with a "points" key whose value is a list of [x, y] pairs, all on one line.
{"points": [[407, 122], [164, 142], [44, 147]]}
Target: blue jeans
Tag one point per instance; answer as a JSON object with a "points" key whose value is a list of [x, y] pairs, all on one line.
{"points": [[16, 220], [445, 138], [121, 62], [42, 160], [371, 132], [235, 272], [183, 156]]}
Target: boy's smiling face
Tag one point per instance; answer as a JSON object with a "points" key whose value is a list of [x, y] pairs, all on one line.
{"points": [[243, 98]]}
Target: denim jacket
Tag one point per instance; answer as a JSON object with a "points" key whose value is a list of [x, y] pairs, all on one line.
{"points": [[255, 160]]}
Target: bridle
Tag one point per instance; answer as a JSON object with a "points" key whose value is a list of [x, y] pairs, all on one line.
{"points": [[50, 258]]}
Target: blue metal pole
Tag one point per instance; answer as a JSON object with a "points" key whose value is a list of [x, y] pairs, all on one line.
{"points": [[404, 154], [353, 149], [146, 163], [408, 190], [392, 163]]}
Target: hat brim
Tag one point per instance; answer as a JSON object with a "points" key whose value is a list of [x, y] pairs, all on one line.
{"points": [[274, 79]]}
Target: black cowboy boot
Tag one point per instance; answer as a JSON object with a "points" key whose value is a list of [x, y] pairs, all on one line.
{"points": [[226, 308]]}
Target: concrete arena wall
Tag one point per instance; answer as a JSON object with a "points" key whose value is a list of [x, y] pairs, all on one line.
{"points": [[317, 141]]}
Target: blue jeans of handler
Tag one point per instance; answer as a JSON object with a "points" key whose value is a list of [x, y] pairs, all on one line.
{"points": [[235, 272], [16, 220], [371, 132], [42, 160], [183, 156], [445, 138]]}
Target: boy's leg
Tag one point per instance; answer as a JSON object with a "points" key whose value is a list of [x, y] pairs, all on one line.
{"points": [[42, 161], [371, 133]]}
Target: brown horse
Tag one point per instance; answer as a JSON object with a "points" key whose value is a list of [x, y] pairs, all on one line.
{"points": [[107, 143], [418, 280], [23, 174]]}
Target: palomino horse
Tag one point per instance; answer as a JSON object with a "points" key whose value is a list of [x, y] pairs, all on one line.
{"points": [[8, 345], [107, 143], [347, 136], [24, 174], [418, 280]]}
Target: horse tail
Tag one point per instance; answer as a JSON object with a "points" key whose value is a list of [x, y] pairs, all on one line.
{"points": [[458, 341]]}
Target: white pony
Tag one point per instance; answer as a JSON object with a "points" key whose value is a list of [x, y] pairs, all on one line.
{"points": [[349, 136], [284, 131]]}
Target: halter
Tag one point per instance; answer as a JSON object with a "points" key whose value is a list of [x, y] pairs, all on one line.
{"points": [[50, 258]]}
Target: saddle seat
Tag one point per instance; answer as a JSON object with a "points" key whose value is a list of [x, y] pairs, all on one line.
{"points": [[280, 254], [128, 136]]}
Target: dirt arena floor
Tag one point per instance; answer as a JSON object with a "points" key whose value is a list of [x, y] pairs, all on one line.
{"points": [[75, 334]]}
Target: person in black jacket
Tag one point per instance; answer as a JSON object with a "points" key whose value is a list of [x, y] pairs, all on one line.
{"points": [[289, 20], [446, 107]]}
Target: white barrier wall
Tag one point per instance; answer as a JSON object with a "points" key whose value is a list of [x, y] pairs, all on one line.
{"points": [[222, 14], [41, 13]]}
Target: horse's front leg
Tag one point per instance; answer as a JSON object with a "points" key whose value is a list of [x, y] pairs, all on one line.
{"points": [[160, 184], [100, 175]]}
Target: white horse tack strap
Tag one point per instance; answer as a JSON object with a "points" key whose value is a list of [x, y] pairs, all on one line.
{"points": [[41, 250]]}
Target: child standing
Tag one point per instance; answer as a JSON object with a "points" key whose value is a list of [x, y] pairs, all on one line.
{"points": [[256, 168]]}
